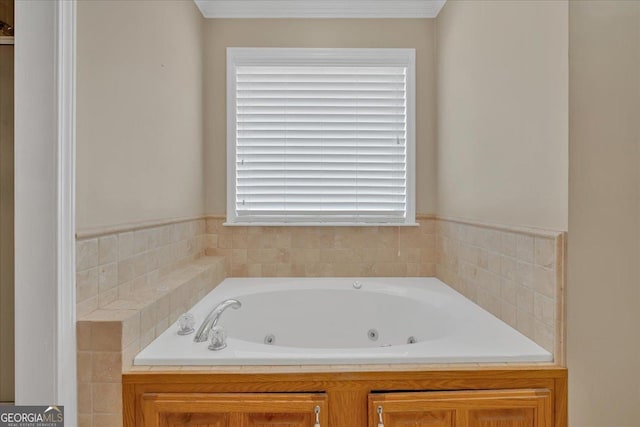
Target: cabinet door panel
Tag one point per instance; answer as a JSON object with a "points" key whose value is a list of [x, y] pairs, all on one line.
{"points": [[487, 408], [506, 417], [232, 410], [279, 420], [421, 419], [194, 420]]}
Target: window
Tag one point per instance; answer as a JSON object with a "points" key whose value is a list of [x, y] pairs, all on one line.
{"points": [[320, 136]]}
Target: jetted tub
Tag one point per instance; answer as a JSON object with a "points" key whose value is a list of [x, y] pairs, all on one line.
{"points": [[308, 321]]}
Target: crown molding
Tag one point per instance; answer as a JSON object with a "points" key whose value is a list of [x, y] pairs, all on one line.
{"points": [[320, 8]]}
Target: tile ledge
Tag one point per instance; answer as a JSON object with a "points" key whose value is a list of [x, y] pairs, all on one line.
{"points": [[531, 231], [139, 299], [88, 233]]}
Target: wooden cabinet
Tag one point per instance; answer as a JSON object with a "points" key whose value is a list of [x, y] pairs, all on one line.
{"points": [[461, 397], [494, 408], [233, 410]]}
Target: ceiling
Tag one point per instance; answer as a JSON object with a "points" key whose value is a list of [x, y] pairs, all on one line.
{"points": [[320, 8]]}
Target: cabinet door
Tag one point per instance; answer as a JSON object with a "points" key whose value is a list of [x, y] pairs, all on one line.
{"points": [[233, 410], [497, 408]]}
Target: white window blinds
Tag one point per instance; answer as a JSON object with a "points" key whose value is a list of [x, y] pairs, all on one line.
{"points": [[320, 144]]}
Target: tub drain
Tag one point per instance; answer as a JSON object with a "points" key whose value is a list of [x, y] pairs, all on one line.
{"points": [[373, 334], [412, 340], [270, 339]]}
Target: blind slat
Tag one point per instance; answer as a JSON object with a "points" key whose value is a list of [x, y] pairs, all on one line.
{"points": [[327, 143]]}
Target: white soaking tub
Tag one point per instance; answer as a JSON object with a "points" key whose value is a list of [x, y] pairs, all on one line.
{"points": [[309, 321]]}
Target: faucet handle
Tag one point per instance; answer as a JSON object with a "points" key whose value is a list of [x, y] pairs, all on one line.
{"points": [[218, 338], [186, 322]]}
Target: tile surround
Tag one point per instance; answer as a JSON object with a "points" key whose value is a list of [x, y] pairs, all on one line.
{"points": [[516, 274], [109, 338], [324, 251], [132, 284], [108, 266]]}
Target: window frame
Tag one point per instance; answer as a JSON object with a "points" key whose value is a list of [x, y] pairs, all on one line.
{"points": [[242, 56]]}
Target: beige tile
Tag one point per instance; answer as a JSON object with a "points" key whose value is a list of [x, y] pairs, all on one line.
{"points": [[106, 336], [508, 244], [129, 353], [156, 237], [125, 245], [162, 326], [126, 270], [85, 399], [544, 309], [86, 254], [84, 366], [148, 317], [107, 398], [545, 252], [83, 335], [108, 276], [211, 241], [508, 314], [483, 258], [107, 297], [524, 299], [493, 262], [544, 336], [85, 420], [544, 282], [107, 367], [86, 284], [141, 241], [427, 270], [107, 249], [147, 336], [107, 420], [508, 291], [493, 240], [508, 268], [130, 329], [524, 248], [525, 324], [86, 307], [524, 274]]}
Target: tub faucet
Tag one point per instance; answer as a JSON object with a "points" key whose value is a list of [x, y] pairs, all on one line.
{"points": [[213, 317]]}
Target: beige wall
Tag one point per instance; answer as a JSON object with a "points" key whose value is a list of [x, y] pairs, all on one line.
{"points": [[355, 33], [502, 112], [139, 112], [604, 214], [6, 226]]}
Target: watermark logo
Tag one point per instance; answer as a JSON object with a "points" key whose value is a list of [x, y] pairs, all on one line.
{"points": [[31, 416]]}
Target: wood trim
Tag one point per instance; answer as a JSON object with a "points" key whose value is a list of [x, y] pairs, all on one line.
{"points": [[466, 373], [561, 411]]}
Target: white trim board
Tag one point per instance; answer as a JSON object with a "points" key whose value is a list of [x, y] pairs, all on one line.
{"points": [[44, 203], [320, 8], [66, 224]]}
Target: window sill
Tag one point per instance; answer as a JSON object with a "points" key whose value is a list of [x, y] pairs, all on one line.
{"points": [[318, 224]]}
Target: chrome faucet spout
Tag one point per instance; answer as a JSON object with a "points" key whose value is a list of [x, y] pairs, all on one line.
{"points": [[213, 317]]}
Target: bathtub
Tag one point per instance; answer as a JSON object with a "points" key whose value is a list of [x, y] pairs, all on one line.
{"points": [[307, 321]]}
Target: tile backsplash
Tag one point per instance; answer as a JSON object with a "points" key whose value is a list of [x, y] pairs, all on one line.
{"points": [[516, 274], [109, 265], [324, 251]]}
